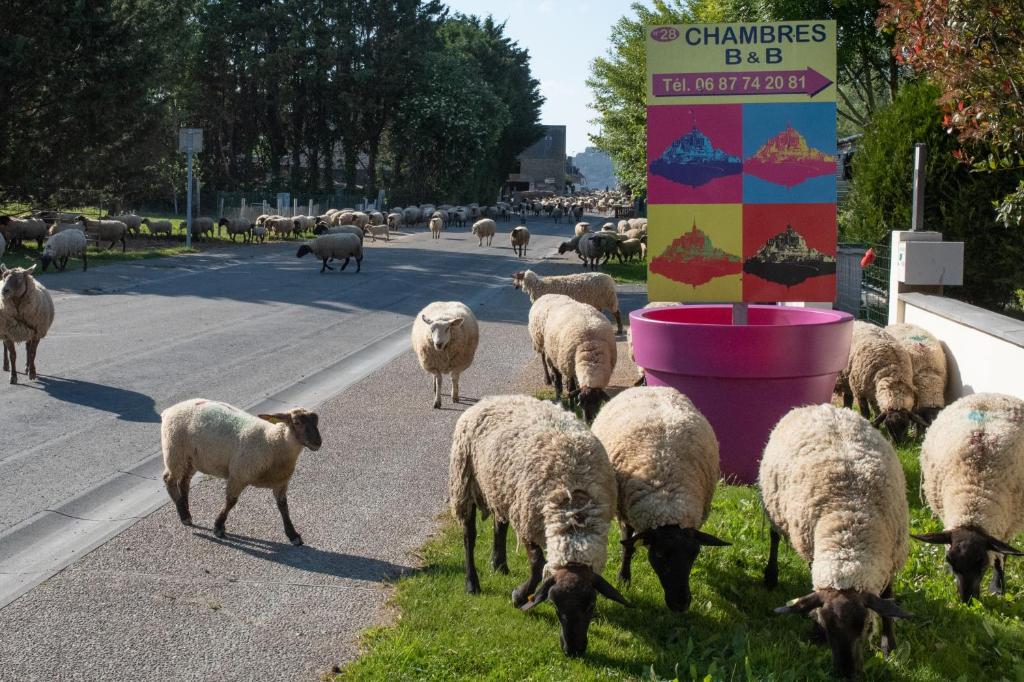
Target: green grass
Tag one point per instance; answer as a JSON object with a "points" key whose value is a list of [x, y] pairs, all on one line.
{"points": [[627, 273], [730, 632]]}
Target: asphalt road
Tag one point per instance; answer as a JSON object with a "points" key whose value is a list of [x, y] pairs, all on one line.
{"points": [[160, 601]]}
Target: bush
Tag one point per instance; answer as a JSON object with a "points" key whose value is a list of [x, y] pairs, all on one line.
{"points": [[958, 201]]}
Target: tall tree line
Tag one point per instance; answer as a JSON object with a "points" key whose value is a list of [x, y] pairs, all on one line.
{"points": [[293, 95]]}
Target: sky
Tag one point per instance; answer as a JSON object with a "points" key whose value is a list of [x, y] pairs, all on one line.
{"points": [[563, 37]]}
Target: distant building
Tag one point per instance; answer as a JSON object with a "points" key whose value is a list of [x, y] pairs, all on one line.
{"points": [[596, 168], [541, 166]]}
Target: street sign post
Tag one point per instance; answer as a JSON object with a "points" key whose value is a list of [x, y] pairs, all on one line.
{"points": [[190, 141]]}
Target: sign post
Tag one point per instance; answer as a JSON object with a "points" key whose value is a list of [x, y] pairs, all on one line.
{"points": [[741, 162], [190, 141]]}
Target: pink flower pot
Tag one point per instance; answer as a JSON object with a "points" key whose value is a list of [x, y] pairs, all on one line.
{"points": [[743, 378]]}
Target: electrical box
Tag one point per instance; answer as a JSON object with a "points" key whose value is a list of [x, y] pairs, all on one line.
{"points": [[930, 263]]}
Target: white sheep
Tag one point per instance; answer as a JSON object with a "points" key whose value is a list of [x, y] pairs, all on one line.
{"points": [[237, 226], [534, 466], [158, 226], [103, 230], [833, 486], [377, 229], [328, 247], [665, 456], [972, 474], [221, 440], [581, 229], [594, 288], [580, 347], [538, 319], [19, 230], [445, 335], [200, 226], [62, 246], [132, 222], [436, 224], [519, 238], [26, 314], [58, 227], [928, 360], [484, 229]]}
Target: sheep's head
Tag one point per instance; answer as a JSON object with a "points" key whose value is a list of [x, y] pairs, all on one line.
{"points": [[573, 590], [303, 424], [222, 222], [441, 330], [517, 279], [843, 615], [47, 257], [590, 401], [968, 556], [321, 227], [303, 250], [928, 414], [672, 551], [16, 282], [897, 423]]}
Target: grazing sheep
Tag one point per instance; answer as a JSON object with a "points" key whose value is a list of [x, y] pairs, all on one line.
{"points": [[834, 487], [238, 226], [328, 247], [304, 223], [158, 226], [17, 231], [928, 360], [571, 245], [581, 351], [593, 247], [435, 227], [485, 229], [131, 221], [57, 228], [972, 471], [538, 319], [26, 313], [635, 234], [665, 457], [104, 230], [411, 215], [221, 440], [519, 238], [629, 249], [62, 246], [594, 288], [534, 466], [445, 335], [581, 229]]}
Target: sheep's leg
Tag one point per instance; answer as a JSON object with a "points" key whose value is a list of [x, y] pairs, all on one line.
{"points": [[359, 264], [557, 378], [178, 490], [544, 364], [618, 321], [281, 496], [888, 641], [231, 493], [345, 264], [6, 365], [10, 351], [998, 584], [85, 262], [522, 594], [771, 571], [847, 399], [455, 387], [863, 406], [499, 556], [30, 362], [437, 390], [469, 543], [628, 549]]}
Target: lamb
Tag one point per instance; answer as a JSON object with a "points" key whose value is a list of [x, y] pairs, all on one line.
{"points": [[131, 221], [221, 440], [880, 375], [629, 249], [536, 467], [594, 288], [519, 238], [928, 360], [19, 230], [665, 457], [972, 469], [834, 487], [259, 233], [26, 314], [112, 230], [239, 226], [435, 228], [62, 246], [445, 335], [484, 229], [538, 319], [158, 226], [641, 379], [581, 228], [581, 351], [330, 246], [377, 229]]}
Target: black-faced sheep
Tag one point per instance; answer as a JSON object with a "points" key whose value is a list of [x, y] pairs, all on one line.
{"points": [[580, 347], [519, 238], [328, 247]]}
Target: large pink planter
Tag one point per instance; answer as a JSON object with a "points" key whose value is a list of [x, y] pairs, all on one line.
{"points": [[743, 378]]}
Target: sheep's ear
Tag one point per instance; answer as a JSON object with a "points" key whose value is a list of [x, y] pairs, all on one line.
{"points": [[30, 270], [457, 322], [804, 604], [918, 419], [878, 420], [886, 608], [540, 595], [426, 319], [278, 418], [942, 538], [709, 540], [995, 545], [606, 589]]}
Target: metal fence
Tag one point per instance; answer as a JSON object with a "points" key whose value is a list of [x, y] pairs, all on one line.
{"points": [[874, 289]]}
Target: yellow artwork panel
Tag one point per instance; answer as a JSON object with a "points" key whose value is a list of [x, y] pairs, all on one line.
{"points": [[695, 252]]}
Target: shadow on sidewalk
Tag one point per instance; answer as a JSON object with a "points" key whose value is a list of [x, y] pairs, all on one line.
{"points": [[129, 406]]}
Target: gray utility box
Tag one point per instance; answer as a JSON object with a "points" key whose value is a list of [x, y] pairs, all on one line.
{"points": [[930, 263]]}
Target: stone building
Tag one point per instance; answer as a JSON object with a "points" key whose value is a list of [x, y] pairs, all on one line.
{"points": [[541, 166]]}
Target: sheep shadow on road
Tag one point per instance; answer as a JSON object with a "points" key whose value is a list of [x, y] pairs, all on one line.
{"points": [[130, 406]]}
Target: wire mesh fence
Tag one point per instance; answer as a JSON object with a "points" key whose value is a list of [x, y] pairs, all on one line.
{"points": [[874, 289]]}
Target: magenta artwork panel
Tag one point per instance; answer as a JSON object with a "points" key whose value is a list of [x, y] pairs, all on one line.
{"points": [[695, 154]]}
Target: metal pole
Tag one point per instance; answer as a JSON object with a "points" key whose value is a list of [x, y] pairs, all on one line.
{"points": [[739, 313], [920, 160], [188, 202]]}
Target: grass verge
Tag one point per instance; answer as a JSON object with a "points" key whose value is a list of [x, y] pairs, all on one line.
{"points": [[730, 632], [627, 273]]}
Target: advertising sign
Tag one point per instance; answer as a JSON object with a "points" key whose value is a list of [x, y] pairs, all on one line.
{"points": [[741, 162]]}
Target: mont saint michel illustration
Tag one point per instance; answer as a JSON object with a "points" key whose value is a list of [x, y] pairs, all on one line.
{"points": [[787, 259], [693, 259], [692, 160], [788, 160]]}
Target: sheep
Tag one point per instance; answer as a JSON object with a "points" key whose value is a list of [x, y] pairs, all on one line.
{"points": [[571, 245], [461, 216], [928, 360], [665, 457], [221, 440], [880, 375], [303, 223], [519, 238], [834, 487], [411, 215], [57, 228], [394, 220], [637, 224], [202, 225], [330, 246], [608, 227], [622, 226], [130, 220], [237, 227], [113, 230], [445, 335], [340, 229], [581, 351], [972, 470], [19, 230], [538, 318], [594, 288], [280, 225], [376, 229], [158, 226], [556, 213], [534, 466], [593, 247], [62, 246], [259, 233], [360, 219], [635, 234], [435, 227], [629, 248], [26, 314], [484, 229], [581, 228], [376, 218]]}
